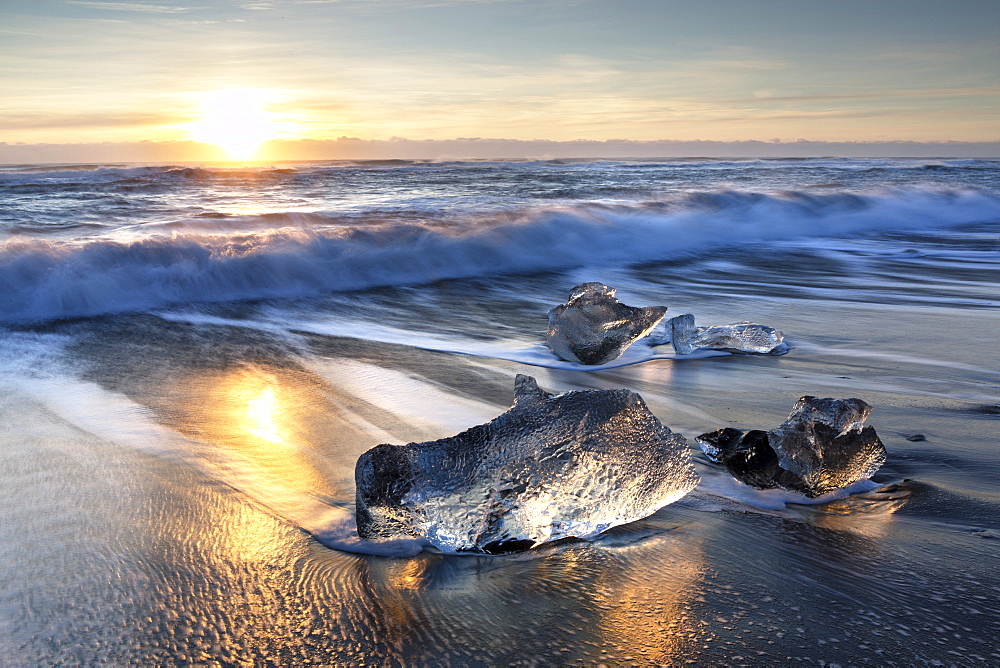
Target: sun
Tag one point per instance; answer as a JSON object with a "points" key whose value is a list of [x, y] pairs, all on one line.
{"points": [[236, 120]]}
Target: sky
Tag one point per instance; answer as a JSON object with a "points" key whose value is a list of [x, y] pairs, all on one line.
{"points": [[235, 73]]}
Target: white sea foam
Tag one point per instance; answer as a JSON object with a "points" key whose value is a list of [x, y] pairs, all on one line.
{"points": [[533, 354], [45, 279], [415, 401], [338, 530], [721, 484]]}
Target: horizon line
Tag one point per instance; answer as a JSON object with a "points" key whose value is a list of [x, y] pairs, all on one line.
{"points": [[623, 140], [478, 148]]}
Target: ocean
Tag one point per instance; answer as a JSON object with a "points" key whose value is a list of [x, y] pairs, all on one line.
{"points": [[192, 358]]}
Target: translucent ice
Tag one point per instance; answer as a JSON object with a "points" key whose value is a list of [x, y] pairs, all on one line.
{"points": [[825, 442], [551, 467], [822, 446], [593, 327], [744, 337]]}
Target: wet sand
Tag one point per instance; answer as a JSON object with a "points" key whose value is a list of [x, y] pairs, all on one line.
{"points": [[176, 474]]}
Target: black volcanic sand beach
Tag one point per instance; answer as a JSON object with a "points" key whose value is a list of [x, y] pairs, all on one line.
{"points": [[193, 359], [163, 475]]}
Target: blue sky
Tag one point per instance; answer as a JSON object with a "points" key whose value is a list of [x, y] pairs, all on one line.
{"points": [[723, 70]]}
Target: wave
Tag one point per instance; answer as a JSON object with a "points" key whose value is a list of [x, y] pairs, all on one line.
{"points": [[52, 175], [51, 279], [83, 175], [112, 174]]}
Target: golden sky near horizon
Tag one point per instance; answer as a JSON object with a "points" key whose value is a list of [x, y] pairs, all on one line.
{"points": [[237, 73]]}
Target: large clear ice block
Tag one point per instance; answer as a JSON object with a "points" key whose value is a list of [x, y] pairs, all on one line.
{"points": [[551, 467]]}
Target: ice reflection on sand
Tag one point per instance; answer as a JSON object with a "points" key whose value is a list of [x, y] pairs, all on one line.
{"points": [[575, 601]]}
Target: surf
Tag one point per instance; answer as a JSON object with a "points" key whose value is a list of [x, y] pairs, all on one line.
{"points": [[295, 255]]}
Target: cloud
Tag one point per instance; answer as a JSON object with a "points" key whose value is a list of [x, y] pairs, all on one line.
{"points": [[131, 7], [399, 4], [85, 121], [978, 91], [351, 148], [372, 6]]}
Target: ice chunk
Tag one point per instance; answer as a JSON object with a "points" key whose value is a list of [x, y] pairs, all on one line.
{"points": [[743, 337], [747, 455], [551, 467], [593, 327], [825, 442], [822, 446]]}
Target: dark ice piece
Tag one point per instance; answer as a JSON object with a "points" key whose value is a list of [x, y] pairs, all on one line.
{"points": [[593, 327], [747, 455], [821, 447], [551, 467], [742, 337]]}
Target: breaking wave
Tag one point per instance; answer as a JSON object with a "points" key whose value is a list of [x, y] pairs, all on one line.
{"points": [[292, 254]]}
